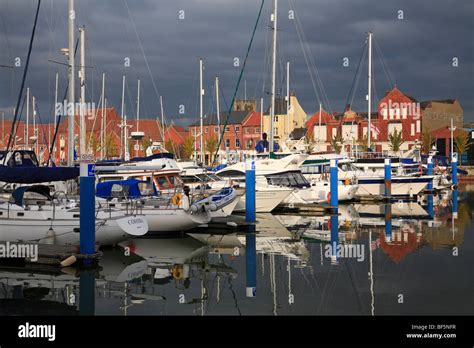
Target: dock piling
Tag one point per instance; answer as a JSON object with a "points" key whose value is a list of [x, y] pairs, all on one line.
{"points": [[430, 172], [87, 209], [250, 237], [333, 188], [454, 170], [388, 177]]}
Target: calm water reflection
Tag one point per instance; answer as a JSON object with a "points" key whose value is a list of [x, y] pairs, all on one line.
{"points": [[406, 258]]}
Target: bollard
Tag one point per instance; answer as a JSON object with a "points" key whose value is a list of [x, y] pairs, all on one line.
{"points": [[388, 223], [388, 177], [250, 238], [87, 209], [87, 293], [334, 220], [250, 190], [430, 172], [454, 170], [333, 200]]}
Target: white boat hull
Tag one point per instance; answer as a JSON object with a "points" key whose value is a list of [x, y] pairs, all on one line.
{"points": [[265, 200]]}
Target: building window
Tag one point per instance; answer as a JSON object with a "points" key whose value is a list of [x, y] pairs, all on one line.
{"points": [[275, 131], [257, 130], [276, 118], [206, 130], [247, 130], [418, 126], [237, 129], [227, 129], [249, 144], [384, 113], [391, 112], [216, 129], [412, 130], [397, 113], [227, 143], [193, 131], [237, 143]]}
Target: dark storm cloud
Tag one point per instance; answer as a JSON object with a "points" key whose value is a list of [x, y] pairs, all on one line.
{"points": [[418, 50]]}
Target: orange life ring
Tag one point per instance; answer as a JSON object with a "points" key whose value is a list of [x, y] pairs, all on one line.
{"points": [[177, 199]]}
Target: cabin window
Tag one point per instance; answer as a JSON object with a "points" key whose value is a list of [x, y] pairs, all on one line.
{"points": [[163, 183]]}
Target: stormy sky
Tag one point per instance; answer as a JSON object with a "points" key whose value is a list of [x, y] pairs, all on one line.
{"points": [[415, 53]]}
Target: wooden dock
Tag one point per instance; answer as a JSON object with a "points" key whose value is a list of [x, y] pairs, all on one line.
{"points": [[305, 209]]}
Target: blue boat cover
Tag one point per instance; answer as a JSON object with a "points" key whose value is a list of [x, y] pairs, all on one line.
{"points": [[33, 175], [104, 189], [19, 193]]}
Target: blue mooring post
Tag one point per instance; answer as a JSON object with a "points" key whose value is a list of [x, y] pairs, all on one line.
{"points": [[250, 238], [87, 292], [455, 204], [454, 170], [388, 223], [333, 194], [430, 172], [87, 209], [334, 219], [388, 177]]}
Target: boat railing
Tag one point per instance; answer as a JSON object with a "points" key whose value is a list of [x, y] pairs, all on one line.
{"points": [[369, 154]]}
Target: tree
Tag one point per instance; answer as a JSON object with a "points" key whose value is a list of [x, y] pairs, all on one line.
{"points": [[170, 146], [211, 147], [336, 143], [396, 140], [94, 145], [462, 143], [111, 148], [146, 143], [427, 142], [363, 143], [188, 147]]}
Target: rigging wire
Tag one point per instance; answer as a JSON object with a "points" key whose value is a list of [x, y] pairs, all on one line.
{"points": [[238, 81], [24, 77]]}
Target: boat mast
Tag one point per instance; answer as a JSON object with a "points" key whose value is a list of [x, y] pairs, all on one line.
{"points": [[71, 108], [82, 77], [162, 122], [319, 129], [102, 118], [287, 121], [272, 111], [27, 118], [123, 139], [369, 92], [218, 111], [261, 118], [55, 103], [201, 94], [35, 137], [138, 115]]}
